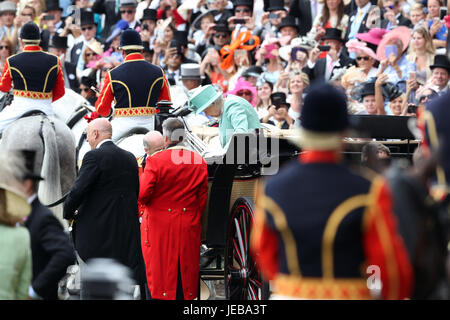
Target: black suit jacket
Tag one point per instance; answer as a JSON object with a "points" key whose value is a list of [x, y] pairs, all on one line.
{"points": [[51, 250], [317, 74], [402, 21], [105, 194], [302, 10]]}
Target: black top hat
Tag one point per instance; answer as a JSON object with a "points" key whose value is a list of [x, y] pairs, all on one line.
{"points": [[58, 42], [149, 14], [86, 17], [367, 89], [253, 71], [288, 21], [222, 26], [52, 5], [30, 158], [181, 37], [275, 5], [30, 32], [441, 61], [130, 39], [88, 81], [319, 115], [248, 3], [333, 34], [278, 99]]}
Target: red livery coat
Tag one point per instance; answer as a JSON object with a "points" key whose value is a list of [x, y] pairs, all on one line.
{"points": [[174, 189]]}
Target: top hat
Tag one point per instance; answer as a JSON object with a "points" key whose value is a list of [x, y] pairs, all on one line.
{"points": [[120, 26], [248, 3], [278, 99], [198, 21], [402, 33], [289, 21], [190, 71], [86, 17], [149, 14], [181, 37], [128, 3], [30, 32], [7, 6], [222, 26], [441, 61], [52, 5], [88, 81], [58, 42], [146, 46], [30, 158], [333, 34], [202, 97], [130, 39], [275, 5]]}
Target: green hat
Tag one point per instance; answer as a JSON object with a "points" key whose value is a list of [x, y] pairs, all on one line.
{"points": [[202, 98]]}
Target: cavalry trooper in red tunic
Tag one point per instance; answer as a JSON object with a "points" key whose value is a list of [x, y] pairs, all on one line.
{"points": [[323, 231], [36, 77], [136, 86]]}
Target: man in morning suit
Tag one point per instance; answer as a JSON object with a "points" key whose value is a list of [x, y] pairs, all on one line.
{"points": [[136, 86], [103, 203], [51, 249], [322, 229]]}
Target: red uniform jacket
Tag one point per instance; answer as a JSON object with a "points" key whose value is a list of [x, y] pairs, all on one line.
{"points": [[174, 189]]}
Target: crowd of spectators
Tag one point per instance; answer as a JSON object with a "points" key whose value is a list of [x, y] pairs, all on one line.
{"points": [[388, 55]]}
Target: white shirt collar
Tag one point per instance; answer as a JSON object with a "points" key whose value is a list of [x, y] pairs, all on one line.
{"points": [[102, 142], [32, 198]]}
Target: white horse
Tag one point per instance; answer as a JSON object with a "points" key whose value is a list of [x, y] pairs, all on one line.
{"points": [[55, 154]]}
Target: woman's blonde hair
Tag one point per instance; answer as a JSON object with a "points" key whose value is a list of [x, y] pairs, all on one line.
{"points": [[8, 41], [430, 48], [303, 76]]}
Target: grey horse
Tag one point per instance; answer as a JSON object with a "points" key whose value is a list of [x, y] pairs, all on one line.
{"points": [[54, 144]]}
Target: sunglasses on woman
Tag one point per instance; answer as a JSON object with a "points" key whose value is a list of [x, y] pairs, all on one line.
{"points": [[362, 58], [4, 47], [87, 28], [220, 35]]}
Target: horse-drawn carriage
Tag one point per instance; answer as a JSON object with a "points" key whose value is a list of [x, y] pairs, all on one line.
{"points": [[233, 178]]}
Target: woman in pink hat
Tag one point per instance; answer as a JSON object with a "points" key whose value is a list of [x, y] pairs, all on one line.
{"points": [[422, 52], [391, 53], [365, 58]]}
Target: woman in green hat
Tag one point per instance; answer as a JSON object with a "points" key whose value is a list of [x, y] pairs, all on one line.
{"points": [[235, 113]]}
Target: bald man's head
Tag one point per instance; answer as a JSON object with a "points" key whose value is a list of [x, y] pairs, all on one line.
{"points": [[97, 131], [153, 142]]}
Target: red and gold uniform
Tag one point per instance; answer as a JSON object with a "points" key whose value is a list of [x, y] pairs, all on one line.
{"points": [[37, 80], [135, 86], [321, 245], [174, 189]]}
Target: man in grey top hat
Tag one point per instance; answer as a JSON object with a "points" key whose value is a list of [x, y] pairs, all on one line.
{"points": [[7, 15], [190, 75]]}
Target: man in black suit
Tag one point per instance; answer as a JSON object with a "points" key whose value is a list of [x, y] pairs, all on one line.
{"points": [[323, 69], [393, 16], [58, 47], [51, 249], [358, 19], [103, 203]]}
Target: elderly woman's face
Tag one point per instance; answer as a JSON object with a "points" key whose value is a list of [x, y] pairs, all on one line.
{"points": [[364, 61]]}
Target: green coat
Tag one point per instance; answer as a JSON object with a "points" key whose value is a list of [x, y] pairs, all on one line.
{"points": [[238, 116], [15, 262]]}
